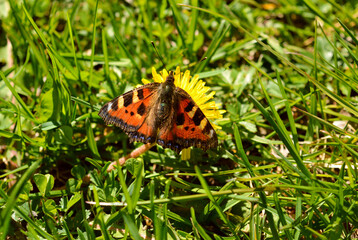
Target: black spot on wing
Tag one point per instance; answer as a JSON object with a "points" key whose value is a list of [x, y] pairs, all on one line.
{"points": [[180, 119], [186, 128], [115, 104], [141, 109], [198, 116], [127, 99], [189, 107], [140, 94], [132, 113]]}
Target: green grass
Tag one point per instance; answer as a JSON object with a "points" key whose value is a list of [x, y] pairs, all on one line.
{"points": [[284, 71]]}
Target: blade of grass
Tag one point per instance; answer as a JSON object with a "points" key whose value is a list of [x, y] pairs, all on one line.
{"points": [[241, 151], [192, 27], [67, 231], [209, 207], [156, 221], [213, 47], [316, 10], [242, 154], [23, 105], [11, 202], [335, 228], [281, 216], [91, 141], [121, 44], [125, 190], [106, 65], [178, 21], [328, 124], [196, 226], [26, 35], [312, 127], [60, 59], [74, 53], [145, 14], [352, 35], [316, 234], [131, 226], [288, 163], [138, 182], [212, 199], [340, 52], [93, 44], [254, 231], [282, 133], [100, 217], [89, 230], [165, 209], [351, 172], [289, 112], [58, 100], [85, 103]]}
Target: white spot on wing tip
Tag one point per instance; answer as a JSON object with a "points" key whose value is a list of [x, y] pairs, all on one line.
{"points": [[211, 132], [109, 105]]}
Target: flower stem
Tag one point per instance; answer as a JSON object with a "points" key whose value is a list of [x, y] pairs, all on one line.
{"points": [[135, 153]]}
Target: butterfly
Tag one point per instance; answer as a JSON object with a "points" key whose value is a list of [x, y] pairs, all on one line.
{"points": [[161, 113]]}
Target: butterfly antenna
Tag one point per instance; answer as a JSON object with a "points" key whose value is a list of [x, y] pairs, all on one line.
{"points": [[202, 60], [160, 57]]}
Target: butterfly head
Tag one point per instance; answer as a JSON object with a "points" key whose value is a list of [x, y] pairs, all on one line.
{"points": [[167, 87], [170, 78]]}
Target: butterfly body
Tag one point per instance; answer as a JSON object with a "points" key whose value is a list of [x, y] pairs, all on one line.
{"points": [[162, 113]]}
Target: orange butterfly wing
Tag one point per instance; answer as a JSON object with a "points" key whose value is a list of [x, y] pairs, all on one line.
{"points": [[190, 127], [181, 125], [130, 112]]}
